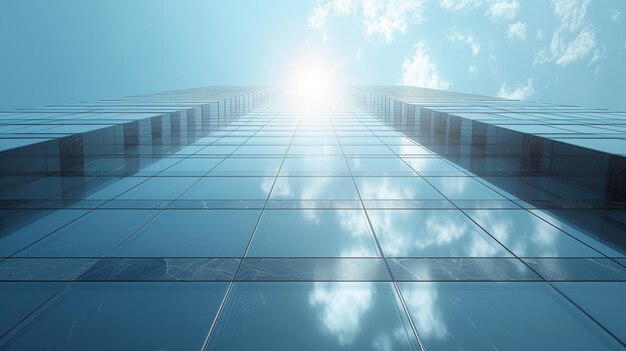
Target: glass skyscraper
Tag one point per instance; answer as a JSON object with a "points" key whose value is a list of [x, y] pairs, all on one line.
{"points": [[250, 218]]}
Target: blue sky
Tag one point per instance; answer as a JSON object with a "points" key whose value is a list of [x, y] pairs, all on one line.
{"points": [[560, 51]]}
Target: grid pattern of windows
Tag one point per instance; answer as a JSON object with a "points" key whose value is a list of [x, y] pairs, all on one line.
{"points": [[304, 227]]}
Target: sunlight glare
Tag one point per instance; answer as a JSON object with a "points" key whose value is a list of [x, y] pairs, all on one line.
{"points": [[314, 83]]}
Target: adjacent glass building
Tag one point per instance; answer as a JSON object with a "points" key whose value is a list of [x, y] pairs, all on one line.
{"points": [[244, 218]]}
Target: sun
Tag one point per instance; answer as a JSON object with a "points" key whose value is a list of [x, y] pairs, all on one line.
{"points": [[314, 83], [312, 74]]}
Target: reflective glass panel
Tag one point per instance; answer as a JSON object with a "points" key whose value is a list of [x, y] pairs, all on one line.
{"points": [[192, 233], [165, 188], [463, 188], [20, 229], [313, 233], [93, 235], [122, 316], [366, 164], [312, 316], [315, 164], [603, 300], [500, 316], [314, 188], [245, 164], [432, 233], [395, 188], [228, 188], [20, 299], [527, 235]]}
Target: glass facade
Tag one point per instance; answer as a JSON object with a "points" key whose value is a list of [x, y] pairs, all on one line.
{"points": [[241, 218]]}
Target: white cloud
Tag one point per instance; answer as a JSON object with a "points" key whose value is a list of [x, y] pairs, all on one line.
{"points": [[381, 19], [574, 39], [472, 69], [319, 18], [344, 7], [615, 15], [571, 13], [598, 54], [468, 38], [421, 71], [503, 10], [578, 48], [456, 5], [522, 92], [341, 310], [540, 35], [517, 31]]}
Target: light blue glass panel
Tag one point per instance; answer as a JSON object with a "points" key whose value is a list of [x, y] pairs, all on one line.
{"points": [[112, 190], [165, 188], [531, 129], [198, 164], [366, 150], [314, 188], [217, 150], [408, 149], [378, 164], [500, 316], [313, 233], [326, 140], [432, 233], [155, 164], [229, 188], [207, 140], [246, 164], [528, 236], [396, 188], [188, 150], [192, 233], [463, 188], [604, 301], [274, 133], [239, 132], [315, 164], [311, 317], [386, 133], [262, 150], [228, 140], [303, 132], [122, 316], [356, 140], [93, 235], [352, 132], [315, 150], [582, 235], [256, 140], [429, 164]]}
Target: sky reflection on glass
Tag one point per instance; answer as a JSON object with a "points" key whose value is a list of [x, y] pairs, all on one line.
{"points": [[510, 316], [432, 233], [313, 233], [313, 316]]}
